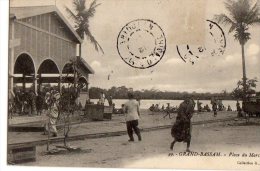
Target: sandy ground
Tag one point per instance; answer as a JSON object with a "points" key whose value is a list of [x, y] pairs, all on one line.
{"points": [[225, 138]]}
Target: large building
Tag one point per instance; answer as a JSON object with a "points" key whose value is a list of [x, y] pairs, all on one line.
{"points": [[41, 47]]}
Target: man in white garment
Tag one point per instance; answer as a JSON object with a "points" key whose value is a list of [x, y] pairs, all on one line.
{"points": [[132, 113]]}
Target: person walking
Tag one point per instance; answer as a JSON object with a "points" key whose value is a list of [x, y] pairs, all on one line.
{"points": [[168, 111], [132, 115], [181, 130]]}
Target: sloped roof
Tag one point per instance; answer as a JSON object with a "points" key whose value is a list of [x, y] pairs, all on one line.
{"points": [[30, 11], [86, 66]]}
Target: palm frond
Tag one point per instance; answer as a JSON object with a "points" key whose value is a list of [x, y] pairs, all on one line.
{"points": [[81, 20], [230, 6], [93, 40], [86, 14], [223, 18], [232, 28], [71, 14], [253, 16], [79, 5], [92, 8]]}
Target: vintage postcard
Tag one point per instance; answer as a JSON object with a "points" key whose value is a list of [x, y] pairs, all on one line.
{"points": [[148, 84]]}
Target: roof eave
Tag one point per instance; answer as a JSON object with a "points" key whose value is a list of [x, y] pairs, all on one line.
{"points": [[91, 70], [68, 25], [50, 9]]}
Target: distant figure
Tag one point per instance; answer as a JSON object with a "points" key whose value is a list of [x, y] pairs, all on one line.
{"points": [[156, 108], [122, 109], [220, 105], [17, 101], [199, 107], [110, 100], [168, 111], [114, 107], [214, 106], [181, 130], [152, 108], [229, 108], [23, 102], [206, 108], [224, 108], [132, 114], [39, 103], [162, 107], [239, 109], [102, 98]]}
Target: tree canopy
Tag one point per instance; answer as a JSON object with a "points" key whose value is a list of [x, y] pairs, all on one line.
{"points": [[81, 15], [241, 15]]}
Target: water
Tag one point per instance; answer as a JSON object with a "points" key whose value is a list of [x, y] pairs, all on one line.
{"points": [[145, 104]]}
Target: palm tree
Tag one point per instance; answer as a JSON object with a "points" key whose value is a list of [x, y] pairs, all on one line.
{"points": [[81, 16], [242, 15]]}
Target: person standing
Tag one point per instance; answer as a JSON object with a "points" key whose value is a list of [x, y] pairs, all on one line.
{"points": [[39, 103], [239, 109], [32, 102], [229, 108], [53, 103], [102, 98], [199, 107], [132, 115], [214, 106], [17, 101], [181, 130], [110, 100]]}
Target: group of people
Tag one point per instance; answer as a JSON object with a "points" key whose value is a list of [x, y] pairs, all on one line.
{"points": [[48, 99], [103, 98], [157, 108], [181, 129], [27, 102], [217, 105]]}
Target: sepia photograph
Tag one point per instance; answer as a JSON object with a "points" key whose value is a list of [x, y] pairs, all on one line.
{"points": [[144, 84]]}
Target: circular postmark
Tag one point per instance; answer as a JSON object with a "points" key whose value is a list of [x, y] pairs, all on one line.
{"points": [[141, 43], [215, 45]]}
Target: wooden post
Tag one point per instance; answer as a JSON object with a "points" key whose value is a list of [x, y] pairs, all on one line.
{"points": [[59, 84], [35, 84], [39, 82], [11, 78], [24, 81], [48, 142]]}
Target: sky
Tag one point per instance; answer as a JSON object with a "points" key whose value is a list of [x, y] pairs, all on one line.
{"points": [[175, 17]]}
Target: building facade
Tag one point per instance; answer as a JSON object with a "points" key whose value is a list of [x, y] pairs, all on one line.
{"points": [[42, 45]]}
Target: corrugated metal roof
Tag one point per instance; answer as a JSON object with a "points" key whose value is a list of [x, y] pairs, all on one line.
{"points": [[30, 11]]}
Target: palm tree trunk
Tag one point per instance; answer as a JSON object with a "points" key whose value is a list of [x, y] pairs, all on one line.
{"points": [[80, 50], [244, 72]]}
